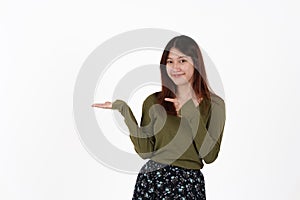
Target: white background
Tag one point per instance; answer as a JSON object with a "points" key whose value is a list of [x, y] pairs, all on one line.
{"points": [[254, 45]]}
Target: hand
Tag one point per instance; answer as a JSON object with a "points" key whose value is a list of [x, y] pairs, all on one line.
{"points": [[176, 103], [106, 105]]}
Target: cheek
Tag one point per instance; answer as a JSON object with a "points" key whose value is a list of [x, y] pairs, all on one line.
{"points": [[189, 71], [168, 71]]}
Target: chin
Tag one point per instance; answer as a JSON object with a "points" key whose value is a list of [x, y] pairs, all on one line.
{"points": [[180, 82]]}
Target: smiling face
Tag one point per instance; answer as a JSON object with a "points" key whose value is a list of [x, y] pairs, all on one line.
{"points": [[180, 67]]}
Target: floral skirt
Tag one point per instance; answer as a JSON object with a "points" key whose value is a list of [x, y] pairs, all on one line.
{"points": [[160, 181]]}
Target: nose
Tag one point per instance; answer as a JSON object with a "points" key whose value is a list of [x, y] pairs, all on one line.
{"points": [[176, 66]]}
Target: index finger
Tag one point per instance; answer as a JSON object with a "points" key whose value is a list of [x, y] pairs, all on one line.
{"points": [[171, 100]]}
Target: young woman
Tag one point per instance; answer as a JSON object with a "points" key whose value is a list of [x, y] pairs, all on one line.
{"points": [[181, 126]]}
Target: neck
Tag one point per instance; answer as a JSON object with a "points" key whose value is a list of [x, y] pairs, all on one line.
{"points": [[183, 91]]}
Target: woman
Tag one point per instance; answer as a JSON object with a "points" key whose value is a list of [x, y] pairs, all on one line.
{"points": [[181, 126]]}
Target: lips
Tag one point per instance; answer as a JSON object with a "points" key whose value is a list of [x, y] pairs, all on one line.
{"points": [[177, 74]]}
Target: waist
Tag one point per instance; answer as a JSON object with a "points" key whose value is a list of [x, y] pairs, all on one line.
{"points": [[161, 169], [181, 164]]}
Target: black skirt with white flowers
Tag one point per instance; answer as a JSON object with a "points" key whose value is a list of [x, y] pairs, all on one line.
{"points": [[160, 181]]}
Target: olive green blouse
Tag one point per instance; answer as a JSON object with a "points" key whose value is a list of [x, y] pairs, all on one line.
{"points": [[184, 140]]}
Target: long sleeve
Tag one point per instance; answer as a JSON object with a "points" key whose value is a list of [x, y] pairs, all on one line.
{"points": [[141, 137], [207, 133]]}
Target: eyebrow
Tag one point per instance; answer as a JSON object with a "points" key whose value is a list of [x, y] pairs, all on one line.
{"points": [[178, 57]]}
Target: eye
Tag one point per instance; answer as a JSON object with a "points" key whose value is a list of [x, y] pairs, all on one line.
{"points": [[169, 61], [182, 61]]}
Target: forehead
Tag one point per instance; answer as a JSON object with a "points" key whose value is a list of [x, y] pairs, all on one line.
{"points": [[175, 53]]}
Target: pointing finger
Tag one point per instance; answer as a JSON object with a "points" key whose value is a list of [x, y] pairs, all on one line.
{"points": [[175, 101], [171, 100]]}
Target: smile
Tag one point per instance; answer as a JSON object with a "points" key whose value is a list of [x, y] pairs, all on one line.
{"points": [[177, 75]]}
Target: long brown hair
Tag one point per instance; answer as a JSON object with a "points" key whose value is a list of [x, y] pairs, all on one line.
{"points": [[200, 84]]}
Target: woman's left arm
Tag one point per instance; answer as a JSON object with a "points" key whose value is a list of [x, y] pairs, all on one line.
{"points": [[207, 135]]}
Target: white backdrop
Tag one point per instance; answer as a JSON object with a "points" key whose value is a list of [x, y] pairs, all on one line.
{"points": [[254, 45]]}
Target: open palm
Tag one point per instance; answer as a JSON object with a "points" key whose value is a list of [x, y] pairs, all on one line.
{"points": [[106, 105]]}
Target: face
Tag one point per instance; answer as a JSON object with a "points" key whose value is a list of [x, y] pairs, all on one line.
{"points": [[180, 67]]}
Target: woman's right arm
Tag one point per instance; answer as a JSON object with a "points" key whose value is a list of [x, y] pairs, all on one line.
{"points": [[141, 136]]}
